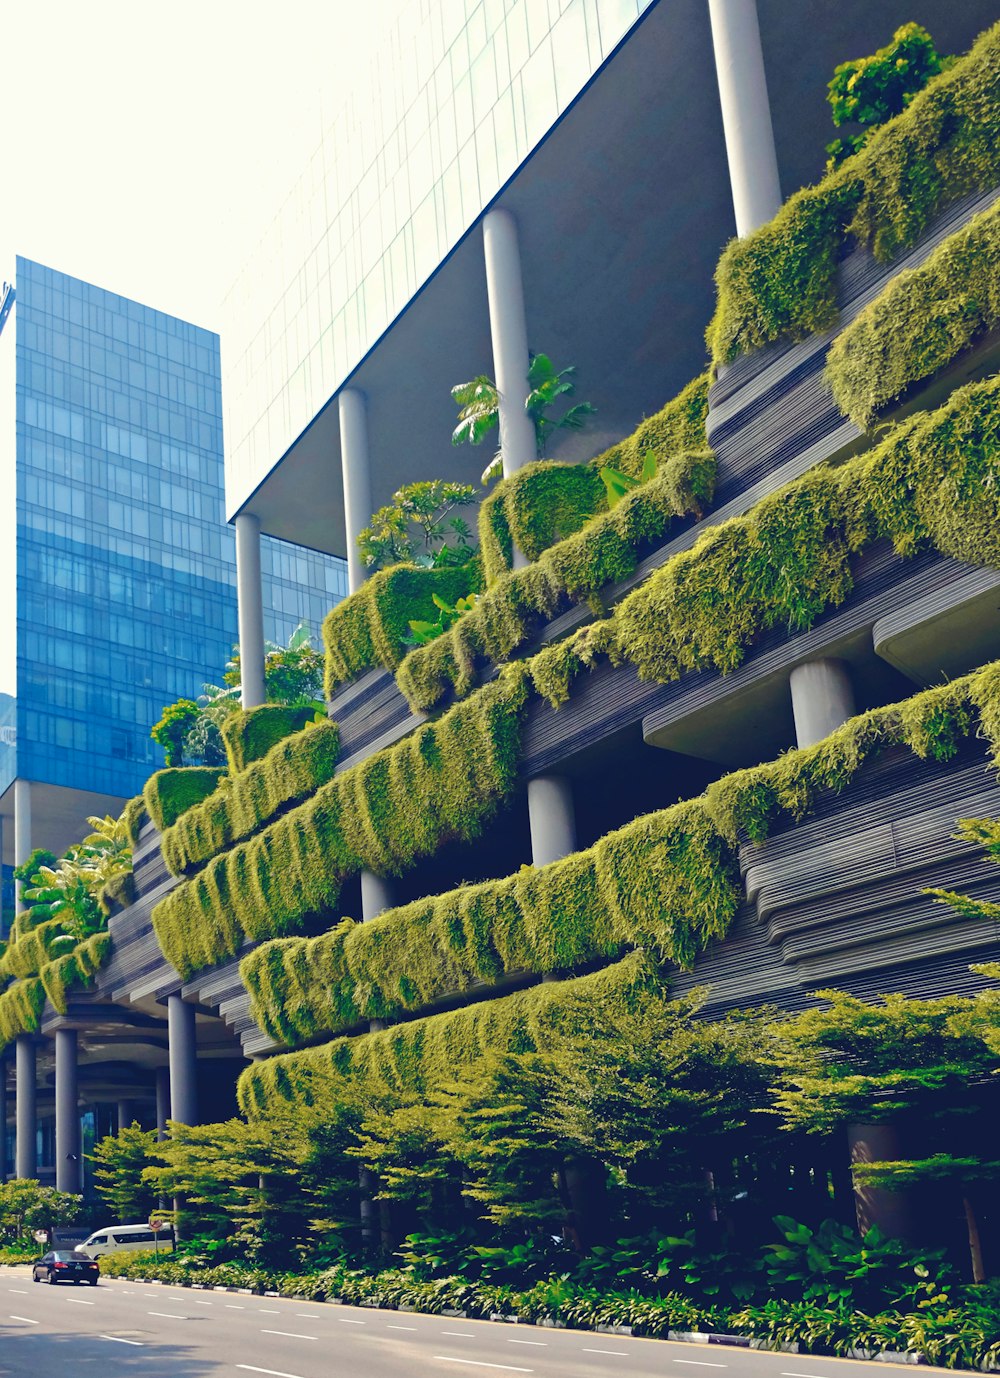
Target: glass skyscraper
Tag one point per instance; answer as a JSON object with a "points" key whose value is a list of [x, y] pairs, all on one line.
{"points": [[117, 570]]}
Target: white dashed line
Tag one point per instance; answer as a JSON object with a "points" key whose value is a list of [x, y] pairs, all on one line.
{"points": [[401, 1327], [701, 1363], [232, 1306], [26, 1319], [288, 1334], [307, 1315], [203, 1303], [622, 1353], [17, 1291], [480, 1363], [460, 1334], [344, 1321], [274, 1372], [539, 1344], [800, 1375], [117, 1339], [79, 1301], [266, 1311], [167, 1315]]}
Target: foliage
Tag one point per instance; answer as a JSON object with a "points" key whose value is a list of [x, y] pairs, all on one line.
{"points": [[870, 90], [170, 793], [511, 610], [293, 768], [920, 322], [173, 727], [444, 781], [422, 633], [370, 627], [293, 674], [618, 485], [28, 869], [443, 540], [544, 503], [25, 1205], [780, 281], [250, 733], [479, 408], [119, 1162]]}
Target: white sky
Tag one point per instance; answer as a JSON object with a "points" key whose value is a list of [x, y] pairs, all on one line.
{"points": [[144, 147]]}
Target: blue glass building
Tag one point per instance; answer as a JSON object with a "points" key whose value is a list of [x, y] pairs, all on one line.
{"points": [[112, 533]]}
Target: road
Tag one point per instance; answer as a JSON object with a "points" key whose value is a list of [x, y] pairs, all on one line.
{"points": [[128, 1328]]}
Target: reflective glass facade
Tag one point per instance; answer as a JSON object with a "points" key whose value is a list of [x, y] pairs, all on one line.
{"points": [[458, 96], [125, 570]]}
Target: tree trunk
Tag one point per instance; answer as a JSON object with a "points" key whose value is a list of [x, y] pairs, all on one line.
{"points": [[975, 1243], [888, 1210]]}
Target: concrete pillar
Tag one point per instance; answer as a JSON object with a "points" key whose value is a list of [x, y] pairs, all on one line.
{"points": [[183, 1061], [250, 608], [822, 699], [4, 1164], [126, 1114], [509, 333], [376, 896], [551, 818], [162, 1101], [69, 1168], [22, 830], [357, 479], [26, 1152], [889, 1210], [746, 112]]}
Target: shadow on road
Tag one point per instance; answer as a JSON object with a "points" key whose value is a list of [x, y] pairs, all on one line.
{"points": [[28, 1353]]}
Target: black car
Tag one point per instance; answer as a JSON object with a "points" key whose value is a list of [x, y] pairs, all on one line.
{"points": [[64, 1266]]}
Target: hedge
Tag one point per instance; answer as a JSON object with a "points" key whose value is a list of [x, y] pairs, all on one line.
{"points": [[117, 894], [21, 1004], [606, 551], [367, 629], [29, 950], [935, 480], [667, 882], [295, 767], [134, 815], [444, 781], [21, 1008], [173, 791], [430, 1052], [545, 502], [921, 322], [781, 280], [250, 733]]}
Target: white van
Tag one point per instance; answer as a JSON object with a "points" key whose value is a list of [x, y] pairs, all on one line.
{"points": [[113, 1239]]}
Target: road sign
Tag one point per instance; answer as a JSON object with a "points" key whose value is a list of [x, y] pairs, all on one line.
{"points": [[156, 1224], [40, 1236]]}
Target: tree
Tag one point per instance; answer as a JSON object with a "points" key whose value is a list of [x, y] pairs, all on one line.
{"points": [[171, 730], [439, 540], [25, 1205], [479, 408], [119, 1163], [867, 91]]}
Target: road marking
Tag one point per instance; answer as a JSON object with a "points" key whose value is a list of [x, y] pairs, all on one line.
{"points": [[119, 1341], [27, 1320], [702, 1363], [460, 1334], [401, 1327], [480, 1363], [170, 1315], [274, 1372], [540, 1344], [266, 1311], [344, 1321], [799, 1375], [18, 1290], [232, 1306], [308, 1315], [202, 1303], [288, 1334], [622, 1353], [79, 1301]]}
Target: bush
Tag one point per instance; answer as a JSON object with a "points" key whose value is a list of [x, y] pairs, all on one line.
{"points": [[250, 733], [170, 793]]}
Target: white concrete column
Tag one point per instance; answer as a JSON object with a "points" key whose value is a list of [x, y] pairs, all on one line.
{"points": [[250, 607], [551, 818], [162, 1101], [4, 1165], [22, 830], [746, 112], [376, 895], [26, 1150], [183, 1061], [509, 333], [69, 1168], [822, 699], [354, 463]]}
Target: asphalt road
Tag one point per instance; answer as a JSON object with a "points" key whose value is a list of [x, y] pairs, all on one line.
{"points": [[127, 1328]]}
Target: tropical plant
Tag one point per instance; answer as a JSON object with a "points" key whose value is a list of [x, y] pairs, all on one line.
{"points": [[25, 1205], [175, 723], [67, 889], [618, 485], [439, 540], [479, 408], [421, 632], [870, 90], [119, 1163], [293, 674]]}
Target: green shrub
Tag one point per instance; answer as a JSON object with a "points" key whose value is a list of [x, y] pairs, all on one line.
{"points": [[250, 733], [293, 768], [781, 280], [369, 628], [920, 322], [21, 1008], [173, 791], [75, 969], [134, 815], [28, 952], [605, 551], [442, 782], [118, 893], [546, 502], [667, 882]]}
